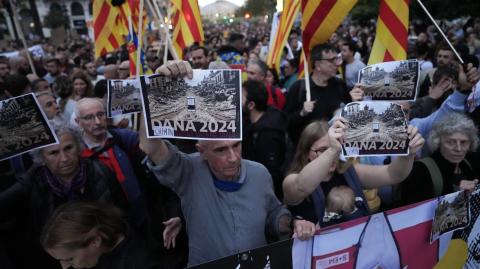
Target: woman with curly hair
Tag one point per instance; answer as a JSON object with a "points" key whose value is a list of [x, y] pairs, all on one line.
{"points": [[450, 168]]}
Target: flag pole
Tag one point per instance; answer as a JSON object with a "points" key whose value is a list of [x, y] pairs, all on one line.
{"points": [[441, 32], [307, 76], [140, 38], [22, 36]]}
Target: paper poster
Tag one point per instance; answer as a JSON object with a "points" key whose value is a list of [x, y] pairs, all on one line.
{"points": [[451, 214], [205, 107], [23, 126], [124, 97], [390, 81], [375, 128]]}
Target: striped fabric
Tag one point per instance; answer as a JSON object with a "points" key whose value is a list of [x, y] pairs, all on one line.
{"points": [[320, 18], [392, 32], [287, 18], [109, 27], [301, 69], [187, 25], [131, 12]]}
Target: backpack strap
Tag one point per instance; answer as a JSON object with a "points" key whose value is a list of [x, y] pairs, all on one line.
{"points": [[353, 182], [435, 175]]}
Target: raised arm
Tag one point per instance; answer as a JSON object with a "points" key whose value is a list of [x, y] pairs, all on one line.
{"points": [[155, 148], [374, 176], [297, 187]]}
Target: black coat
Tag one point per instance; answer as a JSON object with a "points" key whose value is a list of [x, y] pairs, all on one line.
{"points": [[265, 142], [131, 253], [29, 203]]}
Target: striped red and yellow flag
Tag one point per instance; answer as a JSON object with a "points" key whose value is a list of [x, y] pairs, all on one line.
{"points": [[392, 32], [131, 13], [187, 25], [289, 13], [301, 65], [108, 27], [320, 18]]}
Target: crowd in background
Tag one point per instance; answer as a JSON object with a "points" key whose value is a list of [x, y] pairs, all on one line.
{"points": [[184, 202]]}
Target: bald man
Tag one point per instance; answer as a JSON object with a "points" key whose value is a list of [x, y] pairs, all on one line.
{"points": [[124, 70], [111, 71]]}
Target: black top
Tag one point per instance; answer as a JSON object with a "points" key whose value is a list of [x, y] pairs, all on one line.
{"points": [[264, 142], [306, 209], [131, 253], [418, 186]]}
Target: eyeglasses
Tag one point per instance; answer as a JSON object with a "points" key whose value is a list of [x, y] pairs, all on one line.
{"points": [[334, 60], [319, 151], [90, 117], [453, 143]]}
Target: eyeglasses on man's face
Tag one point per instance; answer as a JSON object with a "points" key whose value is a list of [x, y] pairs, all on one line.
{"points": [[90, 117], [334, 60]]}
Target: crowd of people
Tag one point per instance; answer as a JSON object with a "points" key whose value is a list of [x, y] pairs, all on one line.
{"points": [[107, 196]]}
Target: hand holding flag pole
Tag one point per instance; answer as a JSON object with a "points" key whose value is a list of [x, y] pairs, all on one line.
{"points": [[307, 78], [441, 32]]}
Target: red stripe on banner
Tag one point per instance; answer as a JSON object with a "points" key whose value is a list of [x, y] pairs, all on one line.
{"points": [[101, 19], [113, 41], [388, 57], [304, 4], [175, 18], [180, 41], [394, 25], [191, 21], [315, 21], [407, 2]]}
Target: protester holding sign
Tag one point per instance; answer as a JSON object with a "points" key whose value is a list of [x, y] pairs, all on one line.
{"points": [[449, 168], [315, 172], [214, 183]]}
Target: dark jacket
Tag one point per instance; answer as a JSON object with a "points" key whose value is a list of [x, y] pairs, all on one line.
{"points": [[418, 186], [30, 201], [328, 99], [265, 142], [131, 253]]}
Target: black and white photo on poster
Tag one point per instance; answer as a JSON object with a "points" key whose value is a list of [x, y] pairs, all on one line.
{"points": [[451, 214], [205, 107], [375, 128], [471, 233], [390, 81], [124, 97], [23, 126]]}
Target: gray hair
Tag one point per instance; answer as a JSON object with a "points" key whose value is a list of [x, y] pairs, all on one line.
{"points": [[453, 123], [60, 128]]}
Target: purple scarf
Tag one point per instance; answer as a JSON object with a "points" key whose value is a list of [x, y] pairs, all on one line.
{"points": [[63, 191]]}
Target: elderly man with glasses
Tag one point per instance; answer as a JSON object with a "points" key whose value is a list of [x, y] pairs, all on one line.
{"points": [[119, 150], [327, 92]]}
